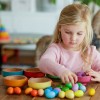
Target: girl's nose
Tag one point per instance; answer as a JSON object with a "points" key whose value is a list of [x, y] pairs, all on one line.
{"points": [[73, 37]]}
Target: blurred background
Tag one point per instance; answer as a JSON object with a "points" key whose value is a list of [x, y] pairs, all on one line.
{"points": [[26, 27]]}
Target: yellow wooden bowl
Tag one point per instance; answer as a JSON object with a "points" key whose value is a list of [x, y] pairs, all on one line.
{"points": [[39, 83], [15, 81]]}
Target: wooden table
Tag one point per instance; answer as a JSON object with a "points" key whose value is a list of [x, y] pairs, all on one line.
{"points": [[5, 96]]}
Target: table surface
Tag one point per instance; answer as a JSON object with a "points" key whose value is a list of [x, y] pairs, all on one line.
{"points": [[5, 96]]}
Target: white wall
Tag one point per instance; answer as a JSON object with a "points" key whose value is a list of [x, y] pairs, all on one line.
{"points": [[42, 23], [32, 21]]}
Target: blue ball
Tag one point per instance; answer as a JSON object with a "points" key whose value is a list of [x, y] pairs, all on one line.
{"points": [[46, 91], [83, 88], [50, 88], [50, 95], [56, 91]]}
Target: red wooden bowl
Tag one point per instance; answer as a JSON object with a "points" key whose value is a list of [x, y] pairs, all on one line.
{"points": [[33, 72]]}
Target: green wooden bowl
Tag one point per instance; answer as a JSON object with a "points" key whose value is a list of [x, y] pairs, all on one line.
{"points": [[52, 77]]}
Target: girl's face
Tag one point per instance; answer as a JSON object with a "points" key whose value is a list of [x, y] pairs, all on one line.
{"points": [[72, 35]]}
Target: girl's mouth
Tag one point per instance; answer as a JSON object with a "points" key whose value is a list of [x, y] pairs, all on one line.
{"points": [[72, 43]]}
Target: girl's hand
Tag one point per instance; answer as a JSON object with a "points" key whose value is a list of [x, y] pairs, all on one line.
{"points": [[95, 75], [68, 76]]}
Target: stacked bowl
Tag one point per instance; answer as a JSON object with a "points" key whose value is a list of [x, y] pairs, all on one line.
{"points": [[33, 72], [14, 77], [12, 71]]}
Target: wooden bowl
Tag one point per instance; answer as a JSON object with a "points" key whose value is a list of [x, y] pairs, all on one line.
{"points": [[12, 71], [84, 79], [33, 72], [54, 78], [15, 81], [39, 83]]}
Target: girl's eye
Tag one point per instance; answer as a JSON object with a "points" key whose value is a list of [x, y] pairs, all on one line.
{"points": [[68, 32], [79, 33]]}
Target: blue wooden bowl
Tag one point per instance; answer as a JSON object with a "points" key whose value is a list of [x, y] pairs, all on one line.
{"points": [[12, 71]]}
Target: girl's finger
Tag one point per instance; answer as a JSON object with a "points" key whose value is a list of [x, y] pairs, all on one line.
{"points": [[63, 80], [75, 77], [89, 71], [71, 79], [66, 79], [94, 79], [92, 74]]}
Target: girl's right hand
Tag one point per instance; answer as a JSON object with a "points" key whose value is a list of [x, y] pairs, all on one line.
{"points": [[68, 76]]}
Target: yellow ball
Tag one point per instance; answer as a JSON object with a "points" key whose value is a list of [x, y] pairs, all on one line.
{"points": [[69, 94], [91, 91], [61, 94]]}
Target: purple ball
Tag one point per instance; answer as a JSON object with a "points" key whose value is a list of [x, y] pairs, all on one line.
{"points": [[75, 87]]}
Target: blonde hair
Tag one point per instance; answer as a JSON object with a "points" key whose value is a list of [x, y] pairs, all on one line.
{"points": [[74, 14]]}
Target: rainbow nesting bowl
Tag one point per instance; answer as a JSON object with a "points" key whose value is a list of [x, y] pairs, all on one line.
{"points": [[15, 81], [83, 78], [39, 83], [54, 78], [33, 72], [12, 71]]}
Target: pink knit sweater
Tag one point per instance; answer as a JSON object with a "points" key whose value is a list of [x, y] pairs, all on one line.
{"points": [[56, 59]]}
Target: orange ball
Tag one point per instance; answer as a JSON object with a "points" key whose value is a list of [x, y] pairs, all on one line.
{"points": [[34, 93], [10, 90], [17, 90], [28, 90]]}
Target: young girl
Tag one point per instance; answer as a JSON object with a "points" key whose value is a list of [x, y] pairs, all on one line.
{"points": [[70, 51]]}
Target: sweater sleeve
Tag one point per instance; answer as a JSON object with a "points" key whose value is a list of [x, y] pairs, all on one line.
{"points": [[96, 59], [49, 62]]}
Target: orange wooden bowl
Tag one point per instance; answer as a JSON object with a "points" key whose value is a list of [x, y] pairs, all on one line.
{"points": [[15, 81], [33, 72]]}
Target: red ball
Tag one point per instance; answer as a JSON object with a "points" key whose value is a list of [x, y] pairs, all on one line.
{"points": [[34, 93]]}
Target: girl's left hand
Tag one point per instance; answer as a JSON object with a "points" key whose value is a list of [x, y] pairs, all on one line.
{"points": [[95, 75]]}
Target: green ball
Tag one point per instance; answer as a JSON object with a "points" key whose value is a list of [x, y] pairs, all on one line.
{"points": [[60, 86], [65, 88], [79, 84], [69, 85]]}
